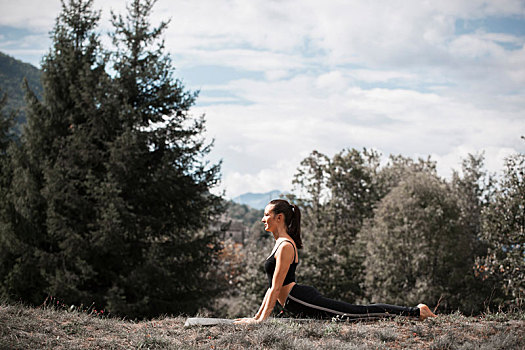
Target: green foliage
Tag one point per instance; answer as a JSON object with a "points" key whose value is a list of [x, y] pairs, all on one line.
{"points": [[417, 246], [7, 120], [110, 195], [241, 265], [6, 175], [58, 166], [157, 169], [400, 234], [473, 190], [242, 212], [336, 196], [398, 168], [398, 231], [503, 230]]}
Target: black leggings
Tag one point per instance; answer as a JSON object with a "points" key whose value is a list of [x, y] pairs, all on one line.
{"points": [[306, 301]]}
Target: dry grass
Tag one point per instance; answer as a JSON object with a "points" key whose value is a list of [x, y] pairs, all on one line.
{"points": [[48, 328]]}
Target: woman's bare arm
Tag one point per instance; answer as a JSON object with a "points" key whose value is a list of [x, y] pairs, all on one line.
{"points": [[284, 256], [266, 296]]}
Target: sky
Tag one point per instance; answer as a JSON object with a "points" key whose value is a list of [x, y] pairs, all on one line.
{"points": [[279, 79]]}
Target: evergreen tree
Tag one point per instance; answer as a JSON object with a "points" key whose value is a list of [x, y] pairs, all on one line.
{"points": [[6, 141], [110, 190], [7, 120], [74, 83], [158, 181], [59, 164]]}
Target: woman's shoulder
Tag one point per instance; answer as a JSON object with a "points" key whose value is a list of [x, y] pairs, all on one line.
{"points": [[283, 242], [286, 245]]}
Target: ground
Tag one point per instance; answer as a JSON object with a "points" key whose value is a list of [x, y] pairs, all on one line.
{"points": [[57, 328]]}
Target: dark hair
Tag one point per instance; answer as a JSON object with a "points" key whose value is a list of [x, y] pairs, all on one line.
{"points": [[292, 219]]}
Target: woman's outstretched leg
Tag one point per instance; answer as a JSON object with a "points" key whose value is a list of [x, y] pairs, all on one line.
{"points": [[306, 301]]}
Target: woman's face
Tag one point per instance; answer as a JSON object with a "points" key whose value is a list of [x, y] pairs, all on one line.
{"points": [[269, 219]]}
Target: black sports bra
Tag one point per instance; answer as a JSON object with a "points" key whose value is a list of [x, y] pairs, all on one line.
{"points": [[269, 267]]}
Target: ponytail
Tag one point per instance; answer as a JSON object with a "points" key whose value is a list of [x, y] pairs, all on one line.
{"points": [[292, 219]]}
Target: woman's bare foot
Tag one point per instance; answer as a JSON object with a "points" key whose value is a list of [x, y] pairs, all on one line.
{"points": [[424, 312]]}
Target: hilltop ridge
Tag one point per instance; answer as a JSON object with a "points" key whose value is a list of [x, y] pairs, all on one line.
{"points": [[257, 200], [12, 74]]}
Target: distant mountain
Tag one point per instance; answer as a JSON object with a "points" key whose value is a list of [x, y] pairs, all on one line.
{"points": [[257, 200], [12, 74]]}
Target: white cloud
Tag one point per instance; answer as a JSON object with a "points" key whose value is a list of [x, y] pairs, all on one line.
{"points": [[293, 117], [35, 15], [390, 75], [275, 176], [494, 159], [332, 81], [378, 76], [245, 59]]}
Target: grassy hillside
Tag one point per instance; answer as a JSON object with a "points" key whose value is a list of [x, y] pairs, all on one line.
{"points": [[51, 328], [12, 74]]}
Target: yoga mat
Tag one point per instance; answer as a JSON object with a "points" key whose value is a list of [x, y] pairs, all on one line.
{"points": [[206, 321], [203, 321]]}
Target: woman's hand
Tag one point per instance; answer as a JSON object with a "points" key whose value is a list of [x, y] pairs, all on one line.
{"points": [[246, 320]]}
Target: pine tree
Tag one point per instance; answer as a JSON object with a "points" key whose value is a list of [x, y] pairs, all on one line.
{"points": [[111, 199], [74, 83], [7, 120], [59, 164], [158, 180], [7, 139]]}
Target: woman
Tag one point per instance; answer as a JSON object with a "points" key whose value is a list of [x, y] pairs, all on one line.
{"points": [[283, 221]]}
